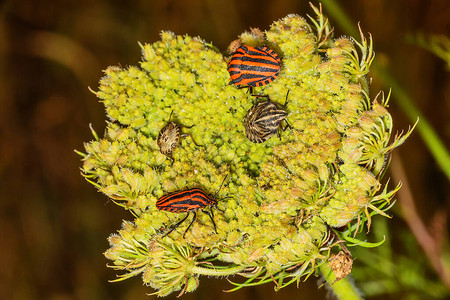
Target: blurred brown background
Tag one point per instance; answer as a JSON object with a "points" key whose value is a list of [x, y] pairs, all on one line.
{"points": [[54, 224]]}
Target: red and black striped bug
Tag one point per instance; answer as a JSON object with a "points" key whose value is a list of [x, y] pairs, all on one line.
{"points": [[169, 138], [253, 66], [189, 200]]}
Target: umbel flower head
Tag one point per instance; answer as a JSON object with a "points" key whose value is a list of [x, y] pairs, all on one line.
{"points": [[282, 199]]}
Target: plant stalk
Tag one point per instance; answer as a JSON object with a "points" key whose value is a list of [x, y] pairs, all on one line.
{"points": [[216, 272], [343, 289]]}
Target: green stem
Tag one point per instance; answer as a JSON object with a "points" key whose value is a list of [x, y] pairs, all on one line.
{"points": [[364, 84], [216, 272], [343, 289], [428, 134]]}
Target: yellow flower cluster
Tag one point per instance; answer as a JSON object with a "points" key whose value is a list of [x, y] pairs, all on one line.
{"points": [[281, 196]]}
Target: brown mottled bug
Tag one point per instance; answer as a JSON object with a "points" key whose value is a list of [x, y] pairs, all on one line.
{"points": [[169, 137], [264, 119], [189, 200]]}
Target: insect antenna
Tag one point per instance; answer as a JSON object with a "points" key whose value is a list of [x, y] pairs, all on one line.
{"points": [[220, 186], [285, 120], [222, 198], [170, 117], [286, 100]]}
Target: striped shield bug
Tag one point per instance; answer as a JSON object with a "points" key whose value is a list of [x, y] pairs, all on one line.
{"points": [[169, 137], [253, 66], [264, 119], [189, 201]]}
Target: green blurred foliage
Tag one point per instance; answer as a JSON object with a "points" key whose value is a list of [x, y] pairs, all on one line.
{"points": [[397, 271], [54, 224]]}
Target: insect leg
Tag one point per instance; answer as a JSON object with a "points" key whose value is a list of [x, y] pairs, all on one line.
{"points": [[250, 91], [219, 208], [280, 128], [193, 219], [169, 155], [287, 126], [176, 225], [261, 96], [188, 134], [212, 219]]}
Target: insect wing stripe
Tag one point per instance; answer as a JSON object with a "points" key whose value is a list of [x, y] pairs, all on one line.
{"points": [[252, 72], [268, 50], [188, 199], [239, 62], [202, 199], [262, 51], [192, 201], [257, 65], [255, 60], [169, 198], [253, 66], [270, 118]]}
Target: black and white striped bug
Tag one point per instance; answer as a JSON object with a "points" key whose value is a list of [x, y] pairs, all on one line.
{"points": [[169, 137], [264, 119]]}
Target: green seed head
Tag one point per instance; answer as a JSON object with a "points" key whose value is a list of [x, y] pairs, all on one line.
{"points": [[282, 198]]}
